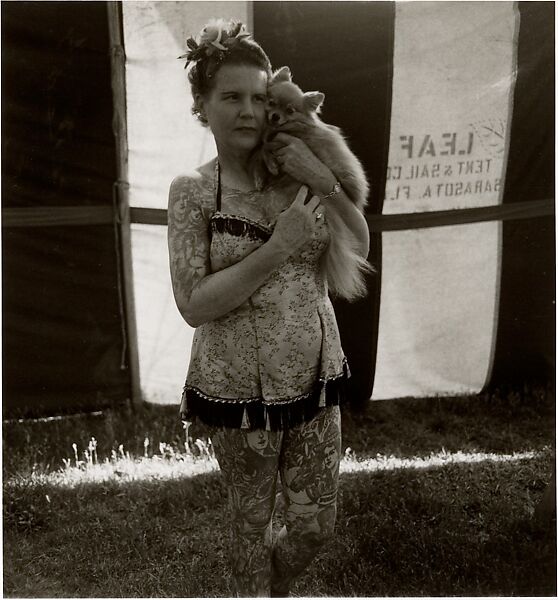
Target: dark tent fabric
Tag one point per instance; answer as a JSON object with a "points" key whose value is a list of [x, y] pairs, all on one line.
{"points": [[525, 343], [64, 347]]}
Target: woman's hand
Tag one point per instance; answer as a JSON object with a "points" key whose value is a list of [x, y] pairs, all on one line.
{"points": [[298, 161], [295, 225]]}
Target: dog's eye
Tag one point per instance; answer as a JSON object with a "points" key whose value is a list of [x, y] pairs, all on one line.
{"points": [[271, 102], [290, 110]]}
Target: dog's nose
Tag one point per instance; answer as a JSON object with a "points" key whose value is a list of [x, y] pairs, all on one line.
{"points": [[274, 117]]}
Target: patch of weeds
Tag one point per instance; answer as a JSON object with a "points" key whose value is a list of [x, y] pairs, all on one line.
{"points": [[26, 507]]}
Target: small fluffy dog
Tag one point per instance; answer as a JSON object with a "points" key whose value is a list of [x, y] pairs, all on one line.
{"points": [[292, 111]]}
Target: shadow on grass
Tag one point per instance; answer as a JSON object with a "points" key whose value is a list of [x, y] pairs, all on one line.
{"points": [[460, 529]]}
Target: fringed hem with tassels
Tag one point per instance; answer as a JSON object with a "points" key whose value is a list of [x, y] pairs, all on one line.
{"points": [[255, 413]]}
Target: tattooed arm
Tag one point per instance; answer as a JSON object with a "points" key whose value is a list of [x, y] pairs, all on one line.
{"points": [[203, 296]]}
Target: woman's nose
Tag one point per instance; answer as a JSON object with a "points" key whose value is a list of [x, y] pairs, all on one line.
{"points": [[247, 108]]}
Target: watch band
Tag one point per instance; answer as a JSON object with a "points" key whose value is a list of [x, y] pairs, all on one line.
{"points": [[336, 189]]}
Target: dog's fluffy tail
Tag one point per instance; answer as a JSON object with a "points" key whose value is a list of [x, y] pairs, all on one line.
{"points": [[344, 268]]}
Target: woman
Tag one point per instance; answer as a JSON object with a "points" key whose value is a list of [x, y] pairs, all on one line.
{"points": [[266, 369]]}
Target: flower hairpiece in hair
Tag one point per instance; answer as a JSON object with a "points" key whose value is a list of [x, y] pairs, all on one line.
{"points": [[217, 37]]}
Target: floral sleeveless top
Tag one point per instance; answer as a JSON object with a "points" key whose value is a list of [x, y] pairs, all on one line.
{"points": [[276, 359]]}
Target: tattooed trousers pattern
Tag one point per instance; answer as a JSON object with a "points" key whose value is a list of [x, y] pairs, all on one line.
{"points": [[307, 459]]}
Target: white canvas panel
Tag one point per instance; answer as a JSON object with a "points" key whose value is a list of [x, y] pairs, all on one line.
{"points": [[164, 338], [453, 74], [164, 138], [437, 315], [454, 70], [164, 141]]}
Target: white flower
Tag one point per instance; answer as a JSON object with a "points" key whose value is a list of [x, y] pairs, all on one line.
{"points": [[212, 32]]}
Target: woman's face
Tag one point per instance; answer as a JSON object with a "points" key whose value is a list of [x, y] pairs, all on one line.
{"points": [[257, 440], [235, 107], [330, 457]]}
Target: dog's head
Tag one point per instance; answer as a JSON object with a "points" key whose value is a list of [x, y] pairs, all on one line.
{"points": [[287, 101]]}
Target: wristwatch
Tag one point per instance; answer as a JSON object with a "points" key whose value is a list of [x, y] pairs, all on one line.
{"points": [[336, 189]]}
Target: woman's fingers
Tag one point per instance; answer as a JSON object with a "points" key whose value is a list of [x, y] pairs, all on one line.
{"points": [[282, 139], [304, 197], [301, 195], [313, 203], [280, 143]]}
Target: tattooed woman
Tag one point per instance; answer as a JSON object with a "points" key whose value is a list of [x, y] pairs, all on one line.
{"points": [[267, 369]]}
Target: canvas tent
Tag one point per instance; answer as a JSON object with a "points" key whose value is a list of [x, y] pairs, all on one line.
{"points": [[64, 337], [450, 107]]}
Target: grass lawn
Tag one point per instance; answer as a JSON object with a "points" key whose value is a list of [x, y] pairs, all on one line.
{"points": [[436, 499]]}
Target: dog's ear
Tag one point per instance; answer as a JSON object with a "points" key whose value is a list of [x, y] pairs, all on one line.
{"points": [[282, 74], [312, 101]]}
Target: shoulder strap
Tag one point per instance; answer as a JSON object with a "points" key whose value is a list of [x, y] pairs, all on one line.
{"points": [[217, 186]]}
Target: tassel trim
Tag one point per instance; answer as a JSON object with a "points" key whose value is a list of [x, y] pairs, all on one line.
{"points": [[255, 413], [240, 227]]}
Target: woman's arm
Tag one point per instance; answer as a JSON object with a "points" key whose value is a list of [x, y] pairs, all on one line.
{"points": [[301, 163], [203, 296]]}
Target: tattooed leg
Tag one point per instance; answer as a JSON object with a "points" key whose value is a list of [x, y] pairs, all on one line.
{"points": [[249, 463], [309, 467]]}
